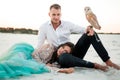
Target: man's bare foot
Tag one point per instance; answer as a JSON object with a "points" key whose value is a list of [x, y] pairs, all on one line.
{"points": [[101, 67], [111, 64], [66, 70]]}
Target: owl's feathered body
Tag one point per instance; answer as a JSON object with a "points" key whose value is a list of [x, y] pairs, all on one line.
{"points": [[91, 17]]}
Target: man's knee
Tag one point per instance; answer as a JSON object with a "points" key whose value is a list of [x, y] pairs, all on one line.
{"points": [[65, 59]]}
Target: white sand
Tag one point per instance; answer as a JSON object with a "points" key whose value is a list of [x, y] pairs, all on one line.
{"points": [[111, 43], [79, 74]]}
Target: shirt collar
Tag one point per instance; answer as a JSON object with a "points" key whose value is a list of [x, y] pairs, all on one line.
{"points": [[49, 22]]}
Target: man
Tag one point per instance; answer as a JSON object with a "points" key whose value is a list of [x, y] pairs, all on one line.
{"points": [[58, 32]]}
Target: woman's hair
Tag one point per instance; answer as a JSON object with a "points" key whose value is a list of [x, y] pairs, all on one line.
{"points": [[70, 44], [54, 56]]}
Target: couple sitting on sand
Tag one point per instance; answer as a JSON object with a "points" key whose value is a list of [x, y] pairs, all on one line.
{"points": [[21, 58]]}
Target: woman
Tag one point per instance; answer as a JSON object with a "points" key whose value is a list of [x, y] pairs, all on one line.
{"points": [[66, 49], [19, 62]]}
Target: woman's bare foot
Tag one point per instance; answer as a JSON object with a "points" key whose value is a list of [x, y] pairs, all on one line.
{"points": [[66, 70], [101, 67], [111, 64]]}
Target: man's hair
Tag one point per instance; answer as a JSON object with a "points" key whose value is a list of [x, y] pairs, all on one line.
{"points": [[56, 6]]}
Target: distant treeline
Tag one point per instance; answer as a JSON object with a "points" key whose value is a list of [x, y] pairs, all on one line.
{"points": [[18, 30], [29, 31]]}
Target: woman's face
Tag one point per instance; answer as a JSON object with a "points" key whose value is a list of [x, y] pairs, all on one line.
{"points": [[63, 49]]}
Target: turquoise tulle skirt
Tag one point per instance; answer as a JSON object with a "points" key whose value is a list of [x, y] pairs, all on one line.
{"points": [[19, 62]]}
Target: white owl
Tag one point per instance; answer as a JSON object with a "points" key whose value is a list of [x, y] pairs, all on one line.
{"points": [[91, 17]]}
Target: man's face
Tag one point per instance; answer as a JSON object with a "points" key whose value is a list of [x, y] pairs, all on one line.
{"points": [[55, 15]]}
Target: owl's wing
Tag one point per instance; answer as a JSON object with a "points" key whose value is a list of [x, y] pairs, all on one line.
{"points": [[92, 19]]}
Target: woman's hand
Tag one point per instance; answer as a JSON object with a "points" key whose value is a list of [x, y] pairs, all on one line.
{"points": [[66, 70], [48, 64], [62, 70]]}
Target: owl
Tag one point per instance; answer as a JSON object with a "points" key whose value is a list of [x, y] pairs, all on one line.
{"points": [[91, 17]]}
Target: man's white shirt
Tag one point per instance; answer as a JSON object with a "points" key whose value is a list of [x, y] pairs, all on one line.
{"points": [[58, 36]]}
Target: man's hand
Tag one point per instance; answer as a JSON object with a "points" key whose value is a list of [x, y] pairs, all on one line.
{"points": [[90, 31]]}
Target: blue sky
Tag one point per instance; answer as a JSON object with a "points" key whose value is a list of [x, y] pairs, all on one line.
{"points": [[32, 13]]}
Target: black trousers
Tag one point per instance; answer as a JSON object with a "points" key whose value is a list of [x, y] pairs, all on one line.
{"points": [[80, 50]]}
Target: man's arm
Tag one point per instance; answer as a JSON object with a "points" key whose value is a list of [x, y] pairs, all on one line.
{"points": [[74, 28]]}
